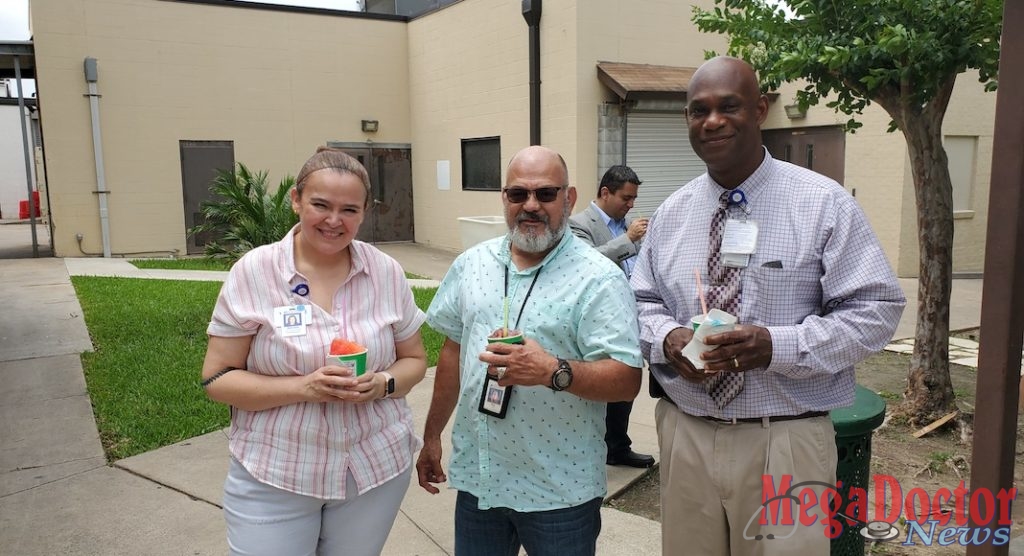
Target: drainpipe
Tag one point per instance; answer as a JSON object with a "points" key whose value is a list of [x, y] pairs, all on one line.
{"points": [[531, 13], [91, 76], [28, 166]]}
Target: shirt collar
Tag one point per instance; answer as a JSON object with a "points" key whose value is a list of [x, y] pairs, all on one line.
{"points": [[755, 182], [605, 216], [287, 267]]}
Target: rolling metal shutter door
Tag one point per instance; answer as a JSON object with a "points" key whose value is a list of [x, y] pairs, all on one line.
{"points": [[658, 150]]}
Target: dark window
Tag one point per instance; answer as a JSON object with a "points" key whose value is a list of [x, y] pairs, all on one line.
{"points": [[481, 164]]}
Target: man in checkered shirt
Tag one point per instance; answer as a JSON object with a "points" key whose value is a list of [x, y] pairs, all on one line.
{"points": [[814, 294]]}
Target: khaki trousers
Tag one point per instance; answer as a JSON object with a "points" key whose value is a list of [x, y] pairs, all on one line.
{"points": [[713, 479]]}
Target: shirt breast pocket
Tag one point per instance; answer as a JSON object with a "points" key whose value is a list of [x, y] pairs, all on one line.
{"points": [[782, 296], [552, 324]]}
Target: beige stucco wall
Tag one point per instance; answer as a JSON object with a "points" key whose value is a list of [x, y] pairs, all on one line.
{"points": [[474, 83], [469, 78], [657, 33], [277, 84], [466, 81], [878, 172]]}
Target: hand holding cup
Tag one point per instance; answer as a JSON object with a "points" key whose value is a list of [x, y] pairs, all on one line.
{"points": [[717, 321], [504, 336]]}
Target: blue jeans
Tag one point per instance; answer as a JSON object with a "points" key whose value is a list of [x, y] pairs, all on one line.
{"points": [[500, 531]]}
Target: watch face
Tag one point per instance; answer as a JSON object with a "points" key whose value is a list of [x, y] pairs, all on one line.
{"points": [[562, 379]]}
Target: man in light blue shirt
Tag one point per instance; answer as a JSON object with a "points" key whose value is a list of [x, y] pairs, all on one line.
{"points": [[534, 475], [605, 225]]}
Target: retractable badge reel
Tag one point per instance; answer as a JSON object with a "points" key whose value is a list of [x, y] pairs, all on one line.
{"points": [[737, 198]]}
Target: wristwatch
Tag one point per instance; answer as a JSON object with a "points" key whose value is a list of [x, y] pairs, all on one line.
{"points": [[562, 377], [389, 384]]}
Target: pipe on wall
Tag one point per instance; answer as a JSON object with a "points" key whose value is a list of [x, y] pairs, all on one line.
{"points": [[28, 165], [91, 77], [531, 13]]}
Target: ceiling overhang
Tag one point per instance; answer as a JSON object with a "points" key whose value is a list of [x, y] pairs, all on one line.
{"points": [[637, 81], [25, 54]]}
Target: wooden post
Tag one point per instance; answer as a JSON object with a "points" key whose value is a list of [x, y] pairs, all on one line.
{"points": [[1002, 304]]}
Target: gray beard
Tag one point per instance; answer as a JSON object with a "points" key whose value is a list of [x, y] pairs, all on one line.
{"points": [[541, 242]]}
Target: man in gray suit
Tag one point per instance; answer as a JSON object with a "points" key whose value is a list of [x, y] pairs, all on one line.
{"points": [[603, 224]]}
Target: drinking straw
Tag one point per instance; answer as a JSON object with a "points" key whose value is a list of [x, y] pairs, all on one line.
{"points": [[505, 315], [700, 293]]}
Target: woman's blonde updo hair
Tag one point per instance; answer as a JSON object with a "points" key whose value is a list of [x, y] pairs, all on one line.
{"points": [[329, 158]]}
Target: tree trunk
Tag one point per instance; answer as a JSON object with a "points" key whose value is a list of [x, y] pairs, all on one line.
{"points": [[929, 393]]}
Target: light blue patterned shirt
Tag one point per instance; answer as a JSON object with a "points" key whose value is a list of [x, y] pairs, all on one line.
{"points": [[549, 451], [818, 281]]}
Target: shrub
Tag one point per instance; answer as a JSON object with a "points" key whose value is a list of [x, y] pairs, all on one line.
{"points": [[244, 213]]}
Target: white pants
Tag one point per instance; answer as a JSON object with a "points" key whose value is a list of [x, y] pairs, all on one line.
{"points": [[265, 520], [711, 483]]}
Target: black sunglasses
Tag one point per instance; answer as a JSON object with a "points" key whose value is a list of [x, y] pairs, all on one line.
{"points": [[521, 194]]}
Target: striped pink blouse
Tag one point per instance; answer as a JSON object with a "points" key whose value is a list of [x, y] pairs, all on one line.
{"points": [[306, 448]]}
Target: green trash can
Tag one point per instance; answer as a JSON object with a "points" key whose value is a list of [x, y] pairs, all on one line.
{"points": [[854, 426]]}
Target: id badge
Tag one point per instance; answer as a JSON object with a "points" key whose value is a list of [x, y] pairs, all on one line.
{"points": [[494, 398], [293, 319], [739, 241]]}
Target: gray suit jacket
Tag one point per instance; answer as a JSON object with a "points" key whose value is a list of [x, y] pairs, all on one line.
{"points": [[590, 227]]}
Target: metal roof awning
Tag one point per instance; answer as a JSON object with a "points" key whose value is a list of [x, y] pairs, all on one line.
{"points": [[25, 53], [635, 81]]}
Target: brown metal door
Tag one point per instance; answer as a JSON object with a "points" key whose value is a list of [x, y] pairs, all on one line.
{"points": [[390, 215], [822, 149], [200, 161]]}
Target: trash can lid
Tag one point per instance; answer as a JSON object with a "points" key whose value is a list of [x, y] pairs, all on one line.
{"points": [[864, 416]]}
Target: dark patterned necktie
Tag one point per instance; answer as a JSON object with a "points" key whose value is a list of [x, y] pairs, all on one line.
{"points": [[723, 292]]}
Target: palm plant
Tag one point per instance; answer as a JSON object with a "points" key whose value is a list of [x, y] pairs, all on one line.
{"points": [[244, 214]]}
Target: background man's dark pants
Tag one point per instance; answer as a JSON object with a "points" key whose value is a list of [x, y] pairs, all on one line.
{"points": [[617, 423]]}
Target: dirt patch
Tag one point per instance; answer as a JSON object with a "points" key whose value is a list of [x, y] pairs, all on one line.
{"points": [[937, 460]]}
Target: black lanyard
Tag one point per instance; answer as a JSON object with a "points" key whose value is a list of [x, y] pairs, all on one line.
{"points": [[525, 299]]}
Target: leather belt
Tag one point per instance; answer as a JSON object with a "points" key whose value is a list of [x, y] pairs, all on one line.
{"points": [[771, 419], [658, 392]]}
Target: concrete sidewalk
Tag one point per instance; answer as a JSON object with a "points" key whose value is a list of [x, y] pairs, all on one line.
{"points": [[58, 495]]}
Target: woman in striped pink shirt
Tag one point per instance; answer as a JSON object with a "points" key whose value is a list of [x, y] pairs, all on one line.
{"points": [[320, 459]]}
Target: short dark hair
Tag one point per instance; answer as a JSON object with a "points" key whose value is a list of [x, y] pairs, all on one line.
{"points": [[616, 177]]}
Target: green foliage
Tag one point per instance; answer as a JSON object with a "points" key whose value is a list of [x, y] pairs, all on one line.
{"points": [[244, 213], [150, 340], [899, 53], [938, 460]]}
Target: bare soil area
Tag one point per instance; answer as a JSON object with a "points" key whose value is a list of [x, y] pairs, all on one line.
{"points": [[940, 459]]}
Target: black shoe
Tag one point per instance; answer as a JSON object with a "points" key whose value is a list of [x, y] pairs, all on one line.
{"points": [[631, 459]]}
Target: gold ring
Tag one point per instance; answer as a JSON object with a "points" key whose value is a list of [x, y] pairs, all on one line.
{"points": [[735, 362], [501, 372]]}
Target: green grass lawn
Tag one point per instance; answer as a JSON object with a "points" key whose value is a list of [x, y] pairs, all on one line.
{"points": [[204, 264], [149, 338], [182, 264]]}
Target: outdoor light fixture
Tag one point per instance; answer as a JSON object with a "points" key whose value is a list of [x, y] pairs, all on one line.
{"points": [[794, 112], [370, 126]]}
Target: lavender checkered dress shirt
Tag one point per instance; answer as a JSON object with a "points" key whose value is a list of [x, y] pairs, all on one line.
{"points": [[819, 282]]}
